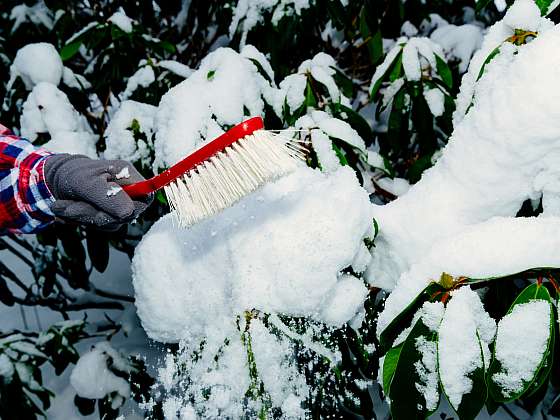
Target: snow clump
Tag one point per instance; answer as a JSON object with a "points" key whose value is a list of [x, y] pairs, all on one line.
{"points": [[279, 250], [521, 342], [26, 66]]}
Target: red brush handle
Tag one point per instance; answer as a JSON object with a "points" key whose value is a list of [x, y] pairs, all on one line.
{"points": [[143, 188]]}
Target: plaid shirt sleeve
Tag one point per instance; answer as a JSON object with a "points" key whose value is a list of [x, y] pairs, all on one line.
{"points": [[25, 199]]}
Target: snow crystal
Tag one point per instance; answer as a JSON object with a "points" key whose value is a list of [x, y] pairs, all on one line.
{"points": [[213, 98], [48, 110], [426, 368], [124, 173], [144, 77], [520, 344], [114, 190], [459, 351], [120, 140], [276, 367], [121, 20], [487, 169], [91, 378], [25, 65], [459, 42], [436, 101], [306, 228]]}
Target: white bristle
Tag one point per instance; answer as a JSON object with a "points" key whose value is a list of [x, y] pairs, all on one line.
{"points": [[231, 174]]}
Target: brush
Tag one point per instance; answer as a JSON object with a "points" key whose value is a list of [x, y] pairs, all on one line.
{"points": [[223, 171]]}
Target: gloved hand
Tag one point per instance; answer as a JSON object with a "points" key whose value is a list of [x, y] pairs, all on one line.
{"points": [[87, 191]]}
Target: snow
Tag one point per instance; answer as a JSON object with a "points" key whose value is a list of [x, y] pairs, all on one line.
{"points": [[459, 42], [331, 127], [173, 66], [25, 65], [419, 55], [91, 378], [490, 166], [214, 97], [6, 368], [48, 110], [119, 138], [77, 81], [249, 13], [38, 14], [121, 20], [436, 101], [143, 77], [396, 186], [500, 5], [256, 259], [515, 18], [520, 344], [291, 90], [113, 191], [124, 173], [322, 145], [459, 351], [277, 369], [426, 368]]}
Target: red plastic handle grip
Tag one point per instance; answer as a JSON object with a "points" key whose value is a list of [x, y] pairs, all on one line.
{"points": [[143, 188]]}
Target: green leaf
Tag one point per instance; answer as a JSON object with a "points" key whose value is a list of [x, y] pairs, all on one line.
{"points": [[98, 249], [396, 64], [490, 57], [546, 6], [211, 74], [310, 100], [70, 50], [353, 118], [388, 335], [406, 401], [340, 154], [389, 366], [444, 72], [534, 291], [481, 4]]}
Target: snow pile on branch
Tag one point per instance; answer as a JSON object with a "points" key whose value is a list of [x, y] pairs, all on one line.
{"points": [[522, 15], [47, 110], [279, 250], [91, 378], [226, 88], [322, 128], [291, 91], [37, 63], [458, 42], [502, 153], [121, 20], [463, 339], [121, 144], [520, 344], [249, 13]]}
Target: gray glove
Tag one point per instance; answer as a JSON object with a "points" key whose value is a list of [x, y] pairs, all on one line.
{"points": [[87, 191]]}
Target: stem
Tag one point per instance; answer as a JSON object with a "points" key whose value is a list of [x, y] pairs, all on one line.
{"points": [[111, 295]]}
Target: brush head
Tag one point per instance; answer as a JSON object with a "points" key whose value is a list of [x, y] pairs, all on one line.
{"points": [[237, 170]]}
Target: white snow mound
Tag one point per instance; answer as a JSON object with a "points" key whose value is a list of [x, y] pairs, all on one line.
{"points": [[280, 249]]}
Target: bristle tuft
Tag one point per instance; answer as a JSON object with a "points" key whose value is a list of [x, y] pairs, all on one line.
{"points": [[231, 174]]}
